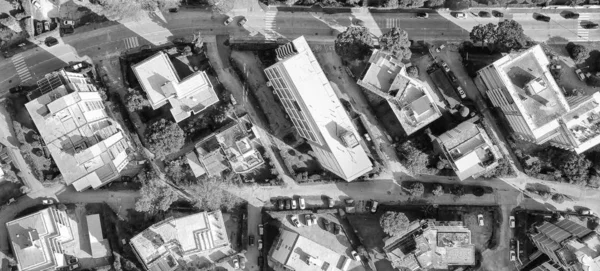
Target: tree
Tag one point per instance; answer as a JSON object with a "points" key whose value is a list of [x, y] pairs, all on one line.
{"points": [[396, 42], [155, 195], [394, 223], [212, 194], [403, 3], [435, 3], [390, 4], [221, 6], [413, 71], [509, 35], [438, 190], [575, 167], [164, 137], [135, 100], [578, 52], [354, 43], [118, 9], [558, 198], [484, 33], [415, 160], [458, 190], [417, 189], [179, 171]]}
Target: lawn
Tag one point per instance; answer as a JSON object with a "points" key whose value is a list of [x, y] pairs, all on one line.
{"points": [[9, 190]]}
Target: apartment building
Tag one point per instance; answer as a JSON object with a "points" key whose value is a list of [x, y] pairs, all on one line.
{"points": [[316, 111], [87, 145], [37, 239], [162, 85], [523, 88], [163, 245], [409, 98]]}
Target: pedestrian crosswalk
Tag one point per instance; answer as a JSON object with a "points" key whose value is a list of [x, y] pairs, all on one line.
{"points": [[582, 33], [21, 67], [270, 17], [392, 22], [131, 42]]}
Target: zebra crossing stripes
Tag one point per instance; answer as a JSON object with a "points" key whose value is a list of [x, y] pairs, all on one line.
{"points": [[270, 19], [21, 67], [131, 42], [582, 33], [392, 22]]}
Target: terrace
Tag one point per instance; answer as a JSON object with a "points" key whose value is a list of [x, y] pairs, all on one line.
{"points": [[239, 150]]}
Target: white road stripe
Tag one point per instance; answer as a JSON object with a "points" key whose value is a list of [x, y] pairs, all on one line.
{"points": [[131, 42], [21, 67], [270, 19]]}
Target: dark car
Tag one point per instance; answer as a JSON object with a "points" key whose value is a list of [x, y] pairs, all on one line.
{"points": [[67, 30], [327, 225], [452, 76], [543, 18], [484, 14], [591, 26], [368, 205], [572, 15], [251, 240], [497, 14], [336, 228], [280, 204], [174, 10], [288, 204], [50, 41], [422, 15], [16, 89], [242, 22], [260, 261]]}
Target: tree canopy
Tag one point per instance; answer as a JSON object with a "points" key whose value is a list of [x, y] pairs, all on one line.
{"points": [[221, 6], [578, 52], [438, 190], [403, 3], [417, 189], [212, 194], [435, 3], [155, 195], [135, 100], [509, 35], [575, 168], [484, 33], [396, 42], [118, 9], [354, 43], [164, 137], [394, 223]]}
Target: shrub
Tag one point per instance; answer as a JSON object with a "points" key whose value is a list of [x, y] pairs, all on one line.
{"points": [[438, 190], [413, 71], [417, 189], [558, 198]]}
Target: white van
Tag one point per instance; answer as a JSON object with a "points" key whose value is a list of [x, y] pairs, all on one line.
{"points": [[346, 264]]}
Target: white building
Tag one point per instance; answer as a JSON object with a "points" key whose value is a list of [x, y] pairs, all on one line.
{"points": [[87, 145], [316, 111], [37, 239], [522, 86]]}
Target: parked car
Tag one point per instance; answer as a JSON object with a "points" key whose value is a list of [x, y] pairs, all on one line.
{"points": [[260, 261], [242, 22], [556, 67], [69, 22], [336, 228], [307, 220], [572, 15], [461, 92], [47, 201], [544, 18], [280, 204], [228, 20], [452, 76], [36, 4], [460, 15], [236, 263], [313, 219], [174, 10], [367, 137], [511, 222], [296, 221], [75, 266], [16, 89], [585, 211], [259, 244], [423, 15], [513, 256], [67, 30], [251, 240], [580, 74], [590, 26], [439, 49], [497, 14], [368, 205], [330, 202], [242, 263], [294, 204], [260, 229], [327, 225], [50, 41], [484, 14], [445, 66], [374, 206], [302, 203], [73, 260], [288, 204], [355, 255], [46, 26], [480, 219]]}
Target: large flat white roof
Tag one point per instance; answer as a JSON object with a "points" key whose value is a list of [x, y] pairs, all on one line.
{"points": [[152, 74], [326, 111]]}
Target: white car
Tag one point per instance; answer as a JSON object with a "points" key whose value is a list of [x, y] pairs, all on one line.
{"points": [[36, 4], [302, 203], [513, 256], [355, 255], [308, 220], [480, 219], [461, 92], [47, 202], [294, 204], [260, 229], [439, 49], [511, 222], [460, 15], [236, 263], [296, 222], [445, 66]]}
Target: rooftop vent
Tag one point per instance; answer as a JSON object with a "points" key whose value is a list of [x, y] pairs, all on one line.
{"points": [[349, 139], [535, 86], [285, 50]]}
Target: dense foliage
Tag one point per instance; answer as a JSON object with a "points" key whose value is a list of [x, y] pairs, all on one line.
{"points": [[396, 42], [394, 223], [506, 36], [135, 100], [578, 53], [164, 137], [354, 43]]}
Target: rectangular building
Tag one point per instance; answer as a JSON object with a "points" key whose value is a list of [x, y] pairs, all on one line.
{"points": [[522, 87], [87, 145], [316, 111], [37, 239], [469, 149], [409, 98], [162, 85], [161, 246]]}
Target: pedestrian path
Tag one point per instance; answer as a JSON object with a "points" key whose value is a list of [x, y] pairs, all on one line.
{"points": [[131, 42], [270, 17], [21, 67], [582, 33]]}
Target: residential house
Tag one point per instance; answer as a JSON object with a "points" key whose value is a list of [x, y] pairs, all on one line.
{"points": [[316, 111], [89, 147], [468, 149], [409, 98], [162, 85], [37, 239], [163, 245], [522, 87]]}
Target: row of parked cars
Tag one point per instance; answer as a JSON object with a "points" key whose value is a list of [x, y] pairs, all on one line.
{"points": [[299, 202]]}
